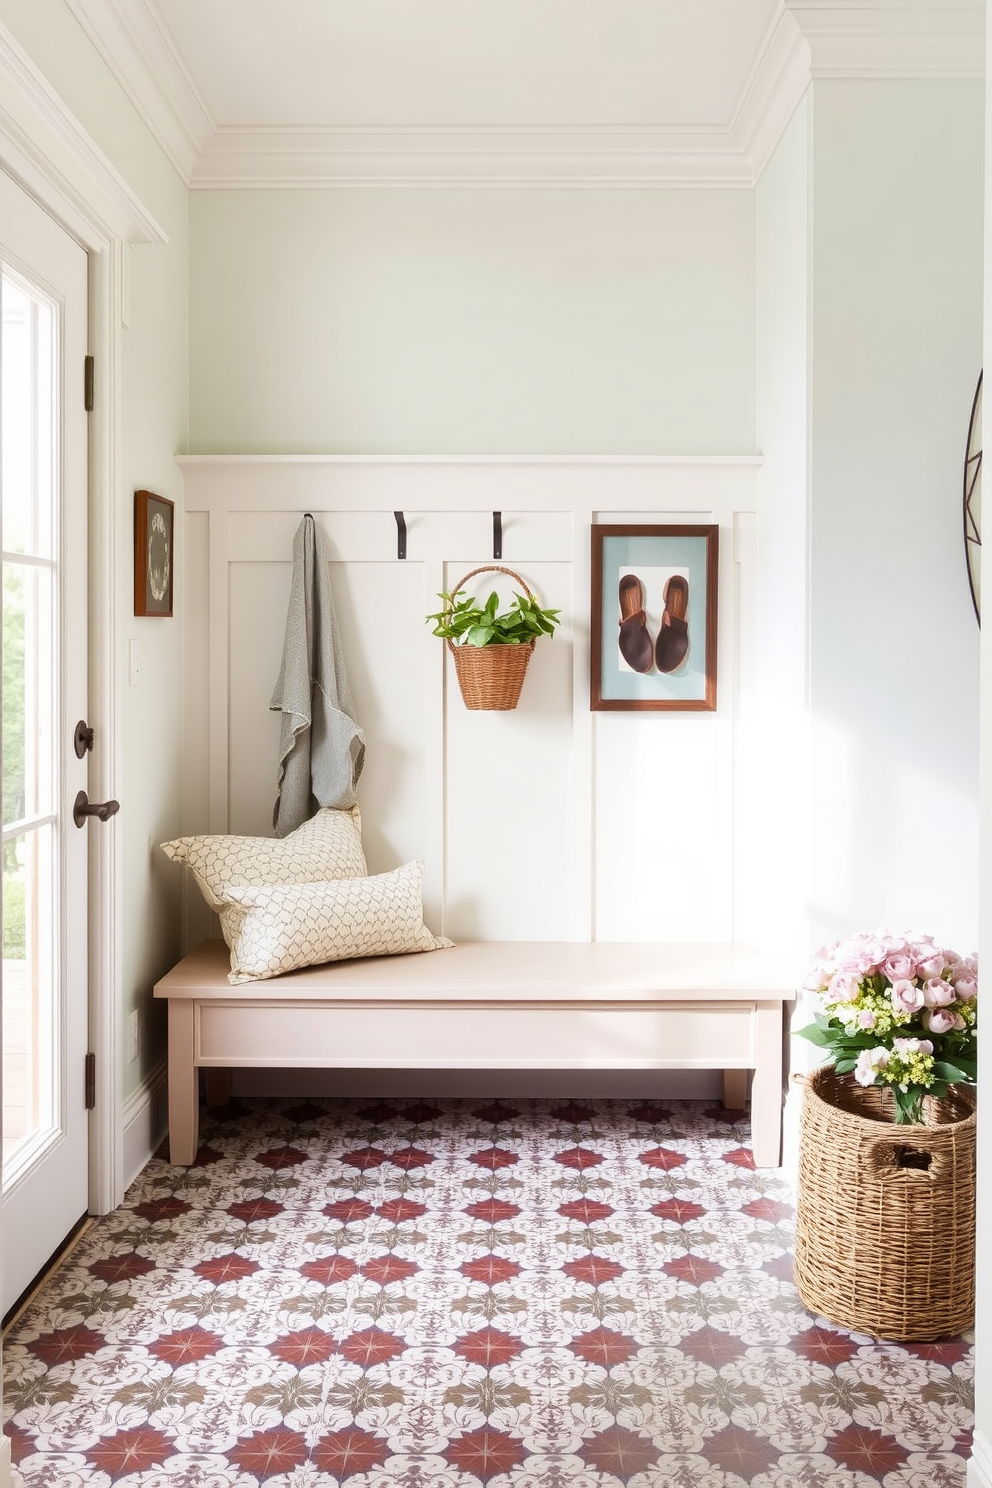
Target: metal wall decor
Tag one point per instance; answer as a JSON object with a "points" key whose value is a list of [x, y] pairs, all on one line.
{"points": [[973, 501]]}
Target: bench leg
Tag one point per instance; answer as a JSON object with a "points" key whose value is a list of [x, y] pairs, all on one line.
{"points": [[184, 1103], [734, 1089], [766, 1087], [218, 1086]]}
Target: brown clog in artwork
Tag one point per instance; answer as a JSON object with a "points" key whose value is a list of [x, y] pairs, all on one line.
{"points": [[673, 636], [634, 641]]}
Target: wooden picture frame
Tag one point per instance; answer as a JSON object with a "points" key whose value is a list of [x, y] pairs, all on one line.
{"points": [[154, 560], [653, 618]]}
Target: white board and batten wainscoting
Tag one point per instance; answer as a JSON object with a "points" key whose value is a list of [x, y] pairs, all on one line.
{"points": [[548, 823]]}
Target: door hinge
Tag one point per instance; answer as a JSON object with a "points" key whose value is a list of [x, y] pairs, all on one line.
{"points": [[89, 373], [90, 1081]]}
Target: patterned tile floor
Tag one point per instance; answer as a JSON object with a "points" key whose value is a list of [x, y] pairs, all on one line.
{"points": [[418, 1295]]}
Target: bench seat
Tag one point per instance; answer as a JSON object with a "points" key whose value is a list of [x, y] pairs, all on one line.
{"points": [[486, 1005]]}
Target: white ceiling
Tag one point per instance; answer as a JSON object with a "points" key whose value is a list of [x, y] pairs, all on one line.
{"points": [[469, 63], [499, 92]]}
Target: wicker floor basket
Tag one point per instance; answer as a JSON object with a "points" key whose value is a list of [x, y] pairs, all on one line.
{"points": [[490, 677], [885, 1225]]}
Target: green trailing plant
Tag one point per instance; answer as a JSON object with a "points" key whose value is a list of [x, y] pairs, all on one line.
{"points": [[466, 622]]}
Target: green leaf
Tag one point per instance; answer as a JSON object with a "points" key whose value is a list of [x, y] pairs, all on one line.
{"points": [[845, 1066], [463, 620], [815, 1035], [944, 1070]]}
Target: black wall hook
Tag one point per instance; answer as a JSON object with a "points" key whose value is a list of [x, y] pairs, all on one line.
{"points": [[497, 534], [400, 534]]}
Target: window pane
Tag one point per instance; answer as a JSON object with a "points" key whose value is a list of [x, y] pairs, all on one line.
{"points": [[27, 419], [28, 990], [29, 774]]}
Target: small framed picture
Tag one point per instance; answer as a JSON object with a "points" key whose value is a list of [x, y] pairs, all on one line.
{"points": [[653, 617], [153, 554]]}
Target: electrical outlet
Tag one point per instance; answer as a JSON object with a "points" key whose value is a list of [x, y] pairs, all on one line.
{"points": [[135, 1030]]}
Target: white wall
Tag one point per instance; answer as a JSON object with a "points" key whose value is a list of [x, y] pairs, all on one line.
{"points": [[774, 735], [980, 1467], [472, 321], [895, 354], [153, 376]]}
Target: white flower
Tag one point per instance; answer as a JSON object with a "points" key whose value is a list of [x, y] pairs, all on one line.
{"points": [[870, 1061]]}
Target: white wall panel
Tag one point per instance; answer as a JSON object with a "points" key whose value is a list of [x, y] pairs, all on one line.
{"points": [[199, 922], [660, 870], [543, 823], [508, 818]]}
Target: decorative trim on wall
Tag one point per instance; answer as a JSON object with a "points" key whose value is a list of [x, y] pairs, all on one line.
{"points": [[43, 146], [773, 93], [46, 149], [893, 38], [980, 1462], [646, 158], [241, 513], [146, 1120], [130, 39], [807, 39], [674, 462]]}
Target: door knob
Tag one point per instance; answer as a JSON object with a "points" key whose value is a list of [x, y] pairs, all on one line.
{"points": [[82, 739], [83, 807]]}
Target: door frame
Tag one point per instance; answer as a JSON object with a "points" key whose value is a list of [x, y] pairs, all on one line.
{"points": [[46, 150]]}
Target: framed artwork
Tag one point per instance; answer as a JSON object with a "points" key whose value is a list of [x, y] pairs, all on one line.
{"points": [[153, 553], [653, 618]]}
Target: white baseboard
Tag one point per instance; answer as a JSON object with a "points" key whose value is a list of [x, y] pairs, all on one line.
{"points": [[980, 1462], [7, 1479], [606, 1084], [146, 1120]]}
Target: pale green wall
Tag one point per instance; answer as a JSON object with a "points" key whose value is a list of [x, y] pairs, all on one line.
{"points": [[896, 348], [454, 321], [154, 383]]}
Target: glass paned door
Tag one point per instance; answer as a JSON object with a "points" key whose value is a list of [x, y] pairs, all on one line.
{"points": [[30, 708], [43, 495]]}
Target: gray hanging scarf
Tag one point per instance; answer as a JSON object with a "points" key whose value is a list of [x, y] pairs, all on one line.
{"points": [[321, 747]]}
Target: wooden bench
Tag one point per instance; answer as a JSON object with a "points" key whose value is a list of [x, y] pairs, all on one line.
{"points": [[485, 1005]]}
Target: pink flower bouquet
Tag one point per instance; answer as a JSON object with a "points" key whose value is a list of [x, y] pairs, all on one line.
{"points": [[896, 1010]]}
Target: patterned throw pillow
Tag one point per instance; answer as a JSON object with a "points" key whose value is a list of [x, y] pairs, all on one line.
{"points": [[328, 846], [272, 928]]}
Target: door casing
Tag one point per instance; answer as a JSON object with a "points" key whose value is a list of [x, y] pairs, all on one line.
{"points": [[45, 149]]}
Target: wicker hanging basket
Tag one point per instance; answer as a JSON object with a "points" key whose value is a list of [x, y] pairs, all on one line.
{"points": [[885, 1223], [491, 677]]}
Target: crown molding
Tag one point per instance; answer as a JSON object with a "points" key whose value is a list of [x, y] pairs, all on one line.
{"points": [[44, 146], [521, 157], [893, 38], [135, 44], [778, 81], [807, 39]]}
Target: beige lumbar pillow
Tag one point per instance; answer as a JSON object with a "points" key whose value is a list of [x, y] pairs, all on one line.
{"points": [[272, 928], [328, 846]]}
